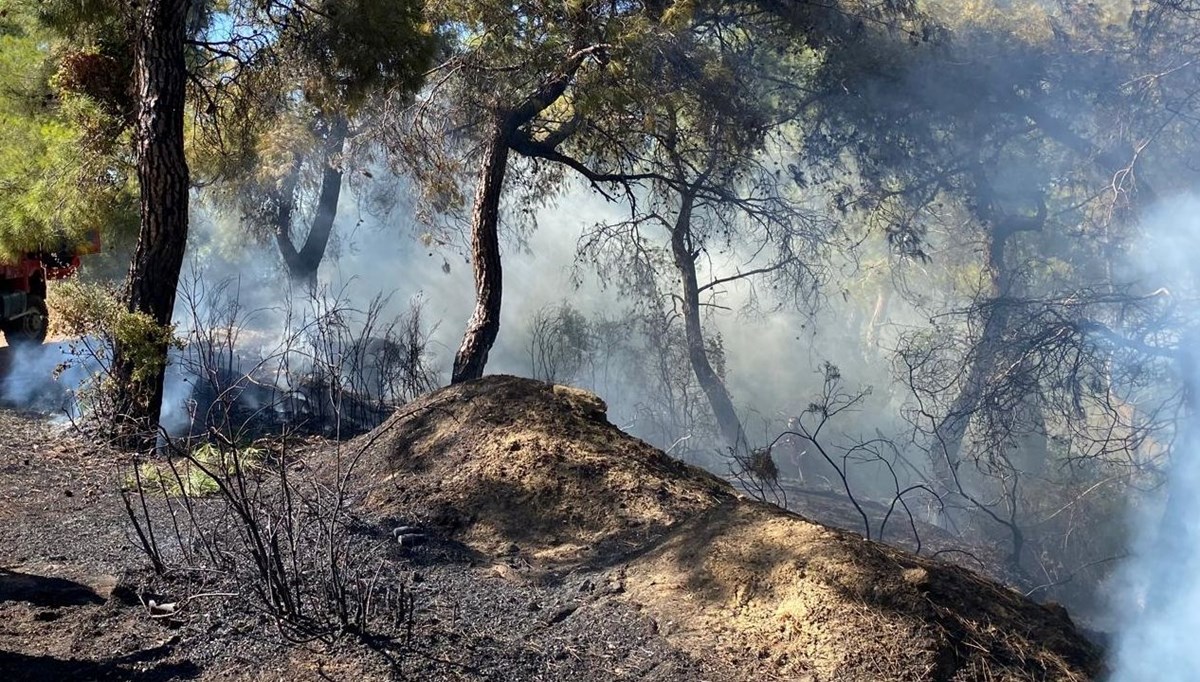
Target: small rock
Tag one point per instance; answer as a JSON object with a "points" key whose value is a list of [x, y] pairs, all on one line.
{"points": [[165, 609], [561, 614], [412, 539]]}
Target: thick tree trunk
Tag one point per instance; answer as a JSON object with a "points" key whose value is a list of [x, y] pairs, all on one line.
{"points": [[710, 382], [302, 263], [161, 78], [1030, 455], [485, 257], [949, 433]]}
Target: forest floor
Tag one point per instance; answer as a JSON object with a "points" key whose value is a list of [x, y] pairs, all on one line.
{"points": [[558, 549], [73, 582]]}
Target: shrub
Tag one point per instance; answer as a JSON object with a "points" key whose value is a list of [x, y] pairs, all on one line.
{"points": [[94, 318], [194, 475]]}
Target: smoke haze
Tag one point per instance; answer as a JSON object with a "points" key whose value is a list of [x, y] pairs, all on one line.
{"points": [[1158, 598]]}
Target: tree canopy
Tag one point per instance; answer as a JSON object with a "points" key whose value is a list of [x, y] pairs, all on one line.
{"points": [[65, 170]]}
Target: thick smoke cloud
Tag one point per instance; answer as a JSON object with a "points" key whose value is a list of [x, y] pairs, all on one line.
{"points": [[36, 376], [771, 355]]}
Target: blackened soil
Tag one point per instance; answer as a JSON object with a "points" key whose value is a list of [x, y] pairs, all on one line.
{"points": [[74, 589]]}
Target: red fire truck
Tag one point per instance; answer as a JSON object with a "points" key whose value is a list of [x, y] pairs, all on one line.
{"points": [[23, 314]]}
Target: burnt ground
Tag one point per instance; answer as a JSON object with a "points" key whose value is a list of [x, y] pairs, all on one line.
{"points": [[558, 548], [72, 583]]}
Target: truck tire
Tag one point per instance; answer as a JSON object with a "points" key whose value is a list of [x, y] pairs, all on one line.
{"points": [[30, 329]]}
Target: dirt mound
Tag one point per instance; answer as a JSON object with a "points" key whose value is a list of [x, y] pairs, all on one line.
{"points": [[512, 465], [513, 461]]}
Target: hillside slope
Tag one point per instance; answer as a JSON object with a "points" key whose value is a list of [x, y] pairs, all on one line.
{"points": [[511, 466]]}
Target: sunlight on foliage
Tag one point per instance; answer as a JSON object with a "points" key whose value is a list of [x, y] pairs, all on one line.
{"points": [[93, 316], [192, 476], [63, 171]]}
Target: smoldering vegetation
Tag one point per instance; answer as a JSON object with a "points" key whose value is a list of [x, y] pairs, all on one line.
{"points": [[822, 390], [919, 269]]}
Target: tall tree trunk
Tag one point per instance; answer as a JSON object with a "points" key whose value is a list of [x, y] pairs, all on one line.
{"points": [[484, 325], [160, 78], [952, 428], [950, 431], [302, 263], [710, 382], [1031, 452], [485, 257]]}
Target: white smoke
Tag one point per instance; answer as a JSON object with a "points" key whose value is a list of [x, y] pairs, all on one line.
{"points": [[1158, 599], [771, 356], [42, 377]]}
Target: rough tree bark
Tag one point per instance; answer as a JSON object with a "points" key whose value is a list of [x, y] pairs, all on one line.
{"points": [[302, 263], [162, 170], [710, 382], [502, 137], [485, 257]]}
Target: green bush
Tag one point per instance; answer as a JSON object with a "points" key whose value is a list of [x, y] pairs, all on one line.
{"points": [[93, 316], [193, 475]]}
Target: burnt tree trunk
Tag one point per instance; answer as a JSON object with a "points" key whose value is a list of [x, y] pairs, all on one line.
{"points": [[948, 435], [950, 431], [302, 263], [162, 170], [485, 257], [708, 378]]}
